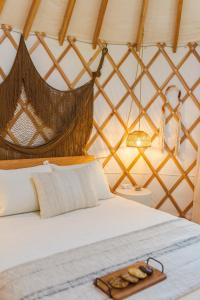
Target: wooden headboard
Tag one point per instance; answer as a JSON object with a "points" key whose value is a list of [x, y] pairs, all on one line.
{"points": [[25, 163]]}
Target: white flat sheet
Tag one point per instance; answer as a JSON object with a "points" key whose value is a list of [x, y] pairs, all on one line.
{"points": [[27, 237]]}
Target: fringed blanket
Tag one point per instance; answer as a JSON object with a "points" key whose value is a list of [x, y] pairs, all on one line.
{"points": [[70, 275]]}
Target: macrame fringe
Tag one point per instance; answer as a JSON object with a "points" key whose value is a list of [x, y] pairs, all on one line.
{"points": [[178, 134], [68, 113], [162, 132], [163, 123]]}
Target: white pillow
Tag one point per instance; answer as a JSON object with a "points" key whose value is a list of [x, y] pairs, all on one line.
{"points": [[60, 192], [44, 167], [17, 193], [97, 174]]}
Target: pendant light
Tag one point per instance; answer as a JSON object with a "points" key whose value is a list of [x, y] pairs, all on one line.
{"points": [[138, 138]]}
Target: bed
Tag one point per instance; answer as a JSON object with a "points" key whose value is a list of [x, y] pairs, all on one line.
{"points": [[58, 258]]}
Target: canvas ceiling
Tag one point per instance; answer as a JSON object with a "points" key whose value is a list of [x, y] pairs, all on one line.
{"points": [[120, 22]]}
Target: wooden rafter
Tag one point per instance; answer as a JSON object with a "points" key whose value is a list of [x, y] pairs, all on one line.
{"points": [[178, 22], [141, 24], [99, 23], [66, 20], [2, 3], [31, 16]]}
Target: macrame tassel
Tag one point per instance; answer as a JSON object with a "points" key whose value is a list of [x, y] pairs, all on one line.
{"points": [[178, 114], [178, 133], [162, 130]]}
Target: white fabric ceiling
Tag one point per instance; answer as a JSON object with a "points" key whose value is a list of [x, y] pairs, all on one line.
{"points": [[120, 23]]}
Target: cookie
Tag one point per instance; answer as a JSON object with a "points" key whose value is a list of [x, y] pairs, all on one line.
{"points": [[118, 283], [146, 269], [129, 278], [137, 273]]}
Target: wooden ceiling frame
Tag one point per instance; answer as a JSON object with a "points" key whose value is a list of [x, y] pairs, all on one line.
{"points": [[31, 17], [99, 23], [69, 11], [140, 31], [66, 21], [177, 25], [2, 3]]}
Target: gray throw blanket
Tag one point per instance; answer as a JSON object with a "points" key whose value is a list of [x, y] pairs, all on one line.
{"points": [[69, 275]]}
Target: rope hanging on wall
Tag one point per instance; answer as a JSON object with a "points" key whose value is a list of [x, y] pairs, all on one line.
{"points": [[68, 113], [178, 119]]}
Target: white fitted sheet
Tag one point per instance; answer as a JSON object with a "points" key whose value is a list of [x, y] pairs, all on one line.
{"points": [[27, 237]]}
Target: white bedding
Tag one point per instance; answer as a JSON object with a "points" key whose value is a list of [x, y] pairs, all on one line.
{"points": [[27, 237]]}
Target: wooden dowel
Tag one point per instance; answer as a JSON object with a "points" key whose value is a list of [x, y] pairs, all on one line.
{"points": [[66, 21], [2, 3], [31, 16], [141, 24], [177, 26], [99, 23]]}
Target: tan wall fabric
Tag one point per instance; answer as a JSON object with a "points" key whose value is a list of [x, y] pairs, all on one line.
{"points": [[120, 23], [169, 178]]}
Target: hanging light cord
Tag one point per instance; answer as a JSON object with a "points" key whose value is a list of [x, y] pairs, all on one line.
{"points": [[131, 105], [140, 91], [140, 94]]}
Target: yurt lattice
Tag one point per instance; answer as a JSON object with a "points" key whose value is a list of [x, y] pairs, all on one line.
{"points": [[41, 133]]}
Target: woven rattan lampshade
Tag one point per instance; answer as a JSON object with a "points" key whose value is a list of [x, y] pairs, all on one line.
{"points": [[139, 139]]}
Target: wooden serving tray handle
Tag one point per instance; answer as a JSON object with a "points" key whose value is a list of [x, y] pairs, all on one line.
{"points": [[103, 282], [151, 258]]}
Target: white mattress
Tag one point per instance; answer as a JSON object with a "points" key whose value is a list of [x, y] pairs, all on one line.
{"points": [[27, 237]]}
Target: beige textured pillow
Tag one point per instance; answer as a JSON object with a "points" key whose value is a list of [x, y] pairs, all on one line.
{"points": [[61, 192], [96, 172]]}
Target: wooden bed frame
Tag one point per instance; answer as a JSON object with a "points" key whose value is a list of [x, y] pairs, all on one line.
{"points": [[30, 162]]}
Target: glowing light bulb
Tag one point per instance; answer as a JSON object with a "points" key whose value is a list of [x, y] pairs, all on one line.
{"points": [[139, 143], [139, 139]]}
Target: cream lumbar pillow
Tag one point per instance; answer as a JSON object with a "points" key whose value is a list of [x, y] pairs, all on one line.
{"points": [[17, 192], [61, 192], [97, 177]]}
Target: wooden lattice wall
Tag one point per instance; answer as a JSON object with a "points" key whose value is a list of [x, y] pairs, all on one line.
{"points": [[170, 178]]}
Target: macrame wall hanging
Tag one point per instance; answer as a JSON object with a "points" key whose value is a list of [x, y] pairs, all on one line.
{"points": [[69, 114], [177, 115]]}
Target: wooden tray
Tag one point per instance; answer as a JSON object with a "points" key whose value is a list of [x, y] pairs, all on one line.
{"points": [[103, 282]]}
